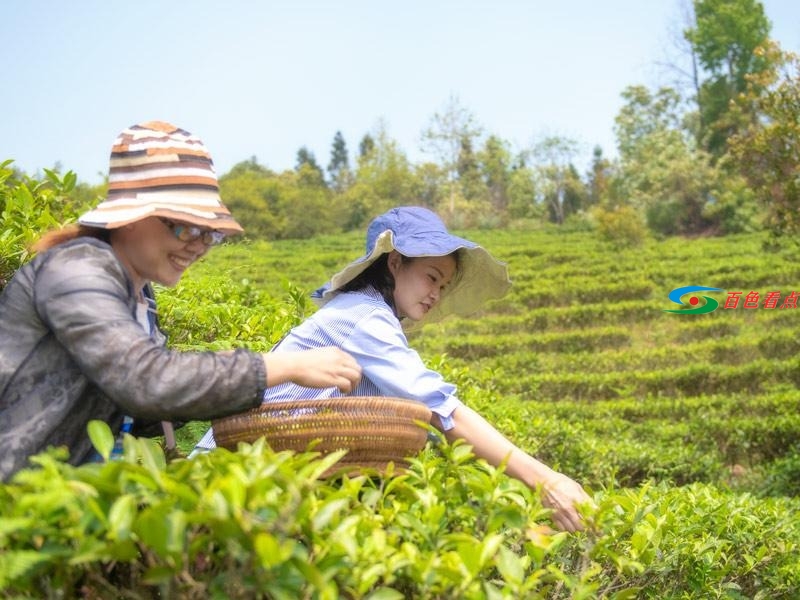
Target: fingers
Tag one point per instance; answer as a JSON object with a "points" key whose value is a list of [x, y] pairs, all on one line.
{"points": [[562, 496], [566, 516], [349, 373], [348, 379], [336, 368], [568, 520]]}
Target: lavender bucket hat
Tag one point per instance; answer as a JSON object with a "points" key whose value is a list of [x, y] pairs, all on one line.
{"points": [[418, 232]]}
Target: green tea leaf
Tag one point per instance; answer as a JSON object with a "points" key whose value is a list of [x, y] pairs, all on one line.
{"points": [[14, 564], [101, 437], [385, 593], [121, 516]]}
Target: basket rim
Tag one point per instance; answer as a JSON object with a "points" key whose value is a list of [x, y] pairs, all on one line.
{"points": [[338, 403], [357, 423]]}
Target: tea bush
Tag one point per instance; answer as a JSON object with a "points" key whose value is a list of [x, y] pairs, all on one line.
{"points": [[260, 524], [28, 207], [684, 427], [212, 312], [622, 226]]}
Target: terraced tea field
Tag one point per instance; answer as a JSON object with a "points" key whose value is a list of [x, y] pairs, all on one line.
{"points": [[684, 427], [581, 364]]}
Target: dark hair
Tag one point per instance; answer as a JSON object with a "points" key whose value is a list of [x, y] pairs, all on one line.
{"points": [[70, 232], [379, 276]]}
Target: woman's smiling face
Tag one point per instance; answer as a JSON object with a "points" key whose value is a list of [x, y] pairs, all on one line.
{"points": [[419, 282], [151, 252]]}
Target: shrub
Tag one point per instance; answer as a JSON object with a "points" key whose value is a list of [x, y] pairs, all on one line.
{"points": [[622, 226], [256, 524], [260, 524], [27, 208]]}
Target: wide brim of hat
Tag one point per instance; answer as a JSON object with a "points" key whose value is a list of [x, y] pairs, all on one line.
{"points": [[481, 278], [200, 208]]}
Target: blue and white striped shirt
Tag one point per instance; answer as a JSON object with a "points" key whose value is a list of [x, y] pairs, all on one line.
{"points": [[362, 324]]}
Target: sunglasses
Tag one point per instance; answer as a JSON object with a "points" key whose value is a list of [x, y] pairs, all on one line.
{"points": [[190, 233]]}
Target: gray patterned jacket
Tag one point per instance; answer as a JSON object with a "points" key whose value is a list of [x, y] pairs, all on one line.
{"points": [[71, 350]]}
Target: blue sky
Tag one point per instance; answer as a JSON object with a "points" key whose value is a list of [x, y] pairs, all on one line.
{"points": [[263, 78]]}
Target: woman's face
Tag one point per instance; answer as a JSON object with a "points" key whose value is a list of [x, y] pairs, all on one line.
{"points": [[418, 284], [151, 252]]}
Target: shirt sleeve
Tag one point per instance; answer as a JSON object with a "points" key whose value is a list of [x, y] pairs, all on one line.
{"points": [[84, 300], [381, 348]]}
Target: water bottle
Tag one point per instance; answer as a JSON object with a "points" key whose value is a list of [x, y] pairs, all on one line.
{"points": [[127, 426]]}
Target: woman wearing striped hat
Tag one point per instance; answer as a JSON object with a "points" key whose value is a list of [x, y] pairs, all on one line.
{"points": [[78, 335]]}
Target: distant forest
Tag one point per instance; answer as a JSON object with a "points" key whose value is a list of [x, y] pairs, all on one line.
{"points": [[718, 152]]}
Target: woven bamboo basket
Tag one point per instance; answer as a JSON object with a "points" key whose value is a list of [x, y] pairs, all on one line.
{"points": [[374, 430]]}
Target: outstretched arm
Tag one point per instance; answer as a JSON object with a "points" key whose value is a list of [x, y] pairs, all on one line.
{"points": [[559, 492]]}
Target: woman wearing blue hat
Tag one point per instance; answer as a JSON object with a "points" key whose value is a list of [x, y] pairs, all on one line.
{"points": [[415, 272]]}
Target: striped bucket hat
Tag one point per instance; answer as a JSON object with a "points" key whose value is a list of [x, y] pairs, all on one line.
{"points": [[159, 170]]}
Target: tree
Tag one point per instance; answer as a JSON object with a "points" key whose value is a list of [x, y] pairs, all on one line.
{"points": [[430, 185], [470, 178], [557, 176], [313, 172], [289, 205], [339, 166], [495, 160], [522, 194], [445, 137], [768, 151], [600, 177], [306, 206], [644, 114], [366, 146], [254, 196], [685, 77], [725, 36], [662, 172], [384, 178], [249, 166]]}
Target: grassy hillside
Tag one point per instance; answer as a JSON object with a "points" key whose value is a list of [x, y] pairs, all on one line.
{"points": [[684, 427], [579, 363]]}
